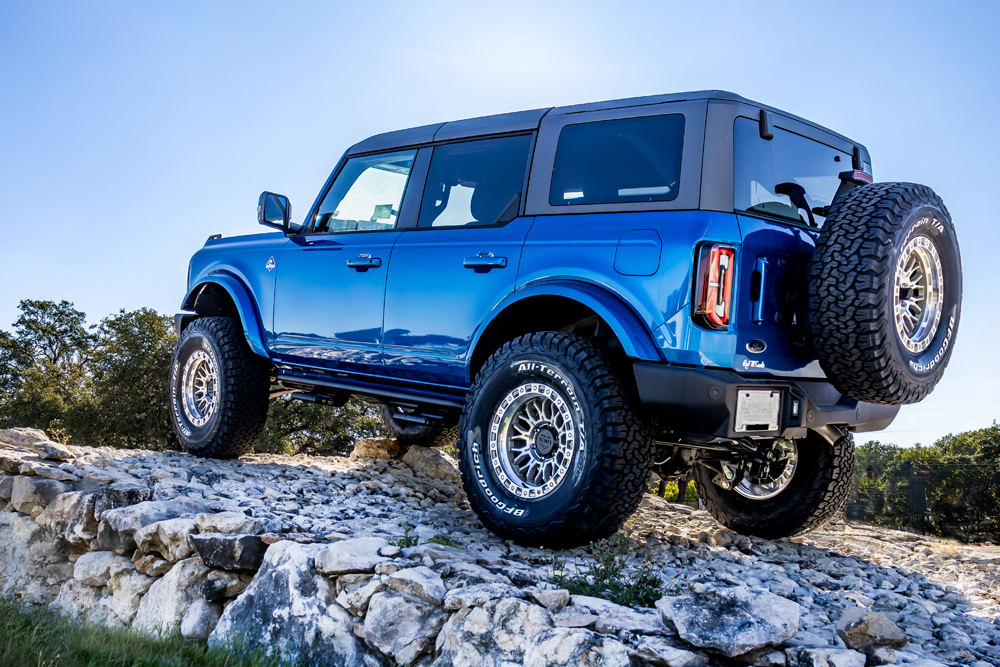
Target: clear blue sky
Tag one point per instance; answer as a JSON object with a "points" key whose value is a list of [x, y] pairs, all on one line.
{"points": [[130, 131]]}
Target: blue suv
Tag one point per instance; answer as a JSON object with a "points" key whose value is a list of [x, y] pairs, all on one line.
{"points": [[582, 297]]}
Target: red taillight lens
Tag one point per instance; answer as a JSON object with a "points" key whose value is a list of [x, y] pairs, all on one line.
{"points": [[714, 289]]}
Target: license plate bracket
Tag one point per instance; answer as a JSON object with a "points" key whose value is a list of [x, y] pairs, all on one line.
{"points": [[758, 410]]}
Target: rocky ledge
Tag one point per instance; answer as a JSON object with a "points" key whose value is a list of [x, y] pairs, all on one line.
{"points": [[375, 560]]}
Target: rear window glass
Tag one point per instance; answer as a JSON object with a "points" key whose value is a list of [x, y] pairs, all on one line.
{"points": [[618, 161], [789, 176]]}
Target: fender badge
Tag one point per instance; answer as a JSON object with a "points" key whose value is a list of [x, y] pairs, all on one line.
{"points": [[756, 346], [270, 265]]}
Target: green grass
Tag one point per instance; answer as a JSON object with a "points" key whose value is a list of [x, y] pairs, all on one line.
{"points": [[35, 637], [611, 577]]}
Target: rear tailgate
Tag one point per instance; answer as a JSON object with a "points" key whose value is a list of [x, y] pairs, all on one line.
{"points": [[772, 310]]}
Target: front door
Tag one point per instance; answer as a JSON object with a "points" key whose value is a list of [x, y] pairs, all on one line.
{"points": [[461, 260], [331, 278]]}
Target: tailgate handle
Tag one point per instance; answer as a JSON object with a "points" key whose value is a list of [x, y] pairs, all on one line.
{"points": [[758, 295]]}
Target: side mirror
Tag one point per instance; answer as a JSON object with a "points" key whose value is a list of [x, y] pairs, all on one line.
{"points": [[274, 210]]}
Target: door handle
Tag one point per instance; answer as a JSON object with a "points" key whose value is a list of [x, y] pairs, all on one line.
{"points": [[758, 306], [364, 262], [484, 260]]}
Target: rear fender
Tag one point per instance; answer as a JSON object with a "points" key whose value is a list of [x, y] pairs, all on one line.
{"points": [[241, 299], [633, 335]]}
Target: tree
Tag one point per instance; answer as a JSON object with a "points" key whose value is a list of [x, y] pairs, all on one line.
{"points": [[53, 332], [297, 427], [129, 365]]}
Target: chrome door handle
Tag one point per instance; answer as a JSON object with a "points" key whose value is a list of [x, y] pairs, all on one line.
{"points": [[364, 262], [484, 260]]}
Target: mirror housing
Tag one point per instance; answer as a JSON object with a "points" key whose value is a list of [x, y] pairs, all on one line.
{"points": [[274, 210]]}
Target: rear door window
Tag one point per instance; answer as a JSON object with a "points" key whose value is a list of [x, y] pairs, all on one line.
{"points": [[618, 161], [475, 183], [789, 176]]}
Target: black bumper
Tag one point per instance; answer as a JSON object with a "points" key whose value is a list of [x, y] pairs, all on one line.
{"points": [[701, 402]]}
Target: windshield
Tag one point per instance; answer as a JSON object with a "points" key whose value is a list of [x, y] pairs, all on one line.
{"points": [[789, 176]]}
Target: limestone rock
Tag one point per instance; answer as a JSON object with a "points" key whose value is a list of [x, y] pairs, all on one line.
{"points": [[81, 603], [574, 646], [22, 436], [421, 581], [479, 594], [553, 600], [200, 619], [731, 620], [376, 448], [230, 552], [881, 655], [228, 522], [431, 463], [573, 618], [221, 586], [288, 610], [168, 538], [501, 629], [162, 608], [659, 651], [119, 494], [94, 568], [802, 656], [119, 526], [52, 451], [613, 618], [359, 554], [127, 586], [25, 551], [6, 486], [864, 628], [151, 564], [70, 518], [402, 626], [27, 494], [355, 599], [50, 472]]}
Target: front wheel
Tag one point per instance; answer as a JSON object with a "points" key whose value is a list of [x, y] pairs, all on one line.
{"points": [[551, 451], [800, 487], [218, 390]]}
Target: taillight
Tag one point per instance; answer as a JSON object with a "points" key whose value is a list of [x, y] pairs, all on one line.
{"points": [[714, 287]]}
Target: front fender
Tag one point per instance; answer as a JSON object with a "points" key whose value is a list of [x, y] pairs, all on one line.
{"points": [[635, 338], [245, 306]]}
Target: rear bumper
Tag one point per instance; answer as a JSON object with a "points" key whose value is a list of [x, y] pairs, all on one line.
{"points": [[701, 402]]}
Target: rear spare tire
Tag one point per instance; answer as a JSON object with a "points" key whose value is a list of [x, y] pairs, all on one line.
{"points": [[885, 292]]}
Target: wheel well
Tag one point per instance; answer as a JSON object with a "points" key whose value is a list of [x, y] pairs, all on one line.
{"points": [[543, 313], [213, 301]]}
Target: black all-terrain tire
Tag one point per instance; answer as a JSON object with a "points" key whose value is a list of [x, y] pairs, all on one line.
{"points": [[611, 454], [411, 434], [852, 288], [232, 428], [815, 494]]}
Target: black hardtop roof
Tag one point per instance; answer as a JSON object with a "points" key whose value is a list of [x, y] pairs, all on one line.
{"points": [[521, 121]]}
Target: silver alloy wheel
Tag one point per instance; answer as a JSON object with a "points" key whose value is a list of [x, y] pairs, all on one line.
{"points": [[918, 294], [532, 437], [199, 388], [787, 452]]}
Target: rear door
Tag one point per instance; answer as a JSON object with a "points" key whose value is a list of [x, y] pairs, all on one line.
{"points": [[330, 287], [781, 188], [460, 260]]}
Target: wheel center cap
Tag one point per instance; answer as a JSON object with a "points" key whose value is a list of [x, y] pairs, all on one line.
{"points": [[545, 441]]}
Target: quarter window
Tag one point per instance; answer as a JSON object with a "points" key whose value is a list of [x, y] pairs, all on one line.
{"points": [[366, 195], [475, 182], [618, 161], [788, 176]]}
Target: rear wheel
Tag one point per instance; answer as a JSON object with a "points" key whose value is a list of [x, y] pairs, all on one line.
{"points": [[218, 390], [551, 450], [796, 486]]}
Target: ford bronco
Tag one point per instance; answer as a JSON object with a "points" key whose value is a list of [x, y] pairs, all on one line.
{"points": [[581, 297]]}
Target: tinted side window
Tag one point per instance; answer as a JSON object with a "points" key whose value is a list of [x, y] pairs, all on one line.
{"points": [[788, 176], [366, 194], [616, 161], [474, 182]]}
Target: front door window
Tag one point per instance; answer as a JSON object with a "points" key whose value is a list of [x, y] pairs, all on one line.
{"points": [[366, 195]]}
